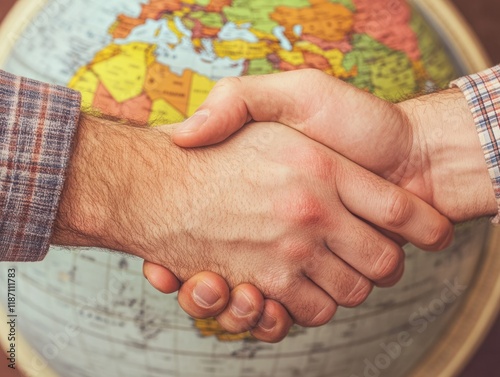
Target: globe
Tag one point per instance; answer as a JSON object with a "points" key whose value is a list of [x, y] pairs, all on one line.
{"points": [[87, 312]]}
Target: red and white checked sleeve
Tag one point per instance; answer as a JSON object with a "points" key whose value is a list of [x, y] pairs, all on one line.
{"points": [[37, 126], [482, 91]]}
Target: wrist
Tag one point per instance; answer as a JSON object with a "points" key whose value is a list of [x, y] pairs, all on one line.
{"points": [[110, 172], [447, 143], [86, 209]]}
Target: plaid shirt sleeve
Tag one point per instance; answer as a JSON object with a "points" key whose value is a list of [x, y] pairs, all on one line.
{"points": [[482, 91], [37, 126]]}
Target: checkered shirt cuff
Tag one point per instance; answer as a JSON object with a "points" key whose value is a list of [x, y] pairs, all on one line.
{"points": [[37, 127], [482, 91]]}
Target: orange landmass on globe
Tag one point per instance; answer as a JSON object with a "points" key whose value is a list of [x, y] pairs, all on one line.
{"points": [[136, 109], [323, 19], [154, 9], [309, 55], [313, 60], [421, 74], [201, 31], [344, 45], [124, 25], [210, 327], [309, 60], [388, 22], [217, 5], [240, 49], [208, 32], [161, 83]]}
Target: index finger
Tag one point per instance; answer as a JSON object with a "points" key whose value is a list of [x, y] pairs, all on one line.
{"points": [[392, 208]]}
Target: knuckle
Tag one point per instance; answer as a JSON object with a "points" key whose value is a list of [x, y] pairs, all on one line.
{"points": [[228, 83], [305, 209], [388, 263], [399, 210], [359, 293], [304, 311], [314, 75]]}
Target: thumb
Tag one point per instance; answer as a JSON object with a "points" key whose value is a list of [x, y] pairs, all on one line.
{"points": [[223, 113], [356, 124]]}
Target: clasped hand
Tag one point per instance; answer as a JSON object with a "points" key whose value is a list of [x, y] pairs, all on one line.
{"points": [[298, 228]]}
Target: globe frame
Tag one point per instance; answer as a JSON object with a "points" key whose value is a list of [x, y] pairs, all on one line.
{"points": [[478, 311]]}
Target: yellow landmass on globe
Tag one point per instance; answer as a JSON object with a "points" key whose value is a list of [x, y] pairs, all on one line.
{"points": [[421, 73], [263, 36], [124, 73], [295, 57], [164, 113], [197, 43], [106, 53], [174, 29], [129, 74], [200, 87], [240, 49], [210, 327], [336, 59], [86, 82]]}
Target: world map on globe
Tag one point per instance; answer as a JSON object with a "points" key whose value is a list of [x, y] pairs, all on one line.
{"points": [[171, 55], [154, 62]]}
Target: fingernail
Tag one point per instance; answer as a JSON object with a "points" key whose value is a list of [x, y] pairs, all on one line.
{"points": [[204, 295], [193, 123], [267, 322], [241, 305]]}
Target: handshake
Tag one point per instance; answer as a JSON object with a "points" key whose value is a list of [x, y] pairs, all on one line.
{"points": [[300, 199]]}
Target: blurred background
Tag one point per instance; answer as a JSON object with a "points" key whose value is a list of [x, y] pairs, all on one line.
{"points": [[484, 18]]}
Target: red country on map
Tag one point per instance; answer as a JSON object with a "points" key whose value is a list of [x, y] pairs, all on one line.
{"points": [[387, 21]]}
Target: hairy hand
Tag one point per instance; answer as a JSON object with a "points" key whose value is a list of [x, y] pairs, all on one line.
{"points": [[269, 207]]}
